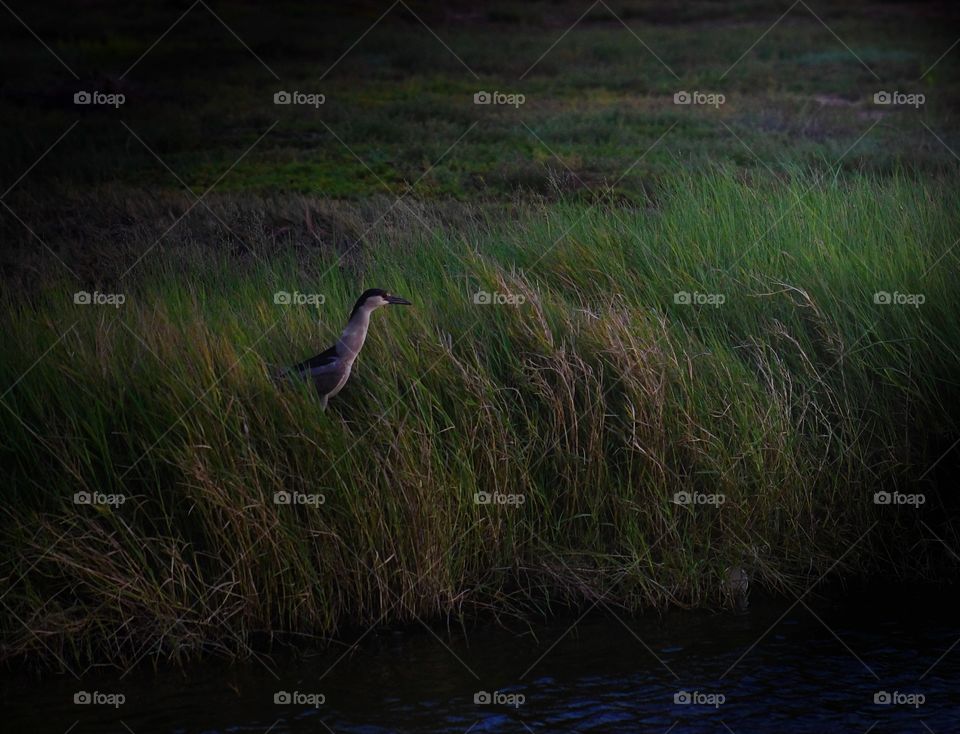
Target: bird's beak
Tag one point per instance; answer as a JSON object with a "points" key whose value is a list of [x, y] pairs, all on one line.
{"points": [[398, 301]]}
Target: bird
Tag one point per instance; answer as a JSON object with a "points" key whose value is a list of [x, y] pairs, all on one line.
{"points": [[330, 369]]}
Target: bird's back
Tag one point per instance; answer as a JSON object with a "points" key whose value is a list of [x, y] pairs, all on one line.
{"points": [[323, 360], [327, 370]]}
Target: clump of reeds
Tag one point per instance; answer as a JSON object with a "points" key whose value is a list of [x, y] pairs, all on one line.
{"points": [[597, 394]]}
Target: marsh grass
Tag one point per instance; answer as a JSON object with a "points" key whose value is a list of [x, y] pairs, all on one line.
{"points": [[596, 400]]}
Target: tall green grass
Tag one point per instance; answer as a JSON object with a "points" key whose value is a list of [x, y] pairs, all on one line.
{"points": [[597, 399]]}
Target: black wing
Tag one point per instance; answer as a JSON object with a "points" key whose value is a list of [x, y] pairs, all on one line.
{"points": [[324, 359]]}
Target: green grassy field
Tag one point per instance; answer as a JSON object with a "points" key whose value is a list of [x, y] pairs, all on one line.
{"points": [[399, 108], [752, 305]]}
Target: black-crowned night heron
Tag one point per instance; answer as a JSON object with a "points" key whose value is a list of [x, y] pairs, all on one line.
{"points": [[330, 369]]}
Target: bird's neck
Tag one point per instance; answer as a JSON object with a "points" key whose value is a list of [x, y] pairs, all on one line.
{"points": [[352, 338]]}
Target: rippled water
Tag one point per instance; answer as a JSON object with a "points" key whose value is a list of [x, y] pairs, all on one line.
{"points": [[773, 668]]}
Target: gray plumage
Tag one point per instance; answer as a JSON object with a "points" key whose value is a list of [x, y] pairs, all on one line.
{"points": [[331, 369]]}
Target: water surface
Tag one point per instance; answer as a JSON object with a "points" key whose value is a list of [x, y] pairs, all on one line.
{"points": [[774, 668]]}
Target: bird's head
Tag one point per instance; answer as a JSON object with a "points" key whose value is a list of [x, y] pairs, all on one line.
{"points": [[377, 297]]}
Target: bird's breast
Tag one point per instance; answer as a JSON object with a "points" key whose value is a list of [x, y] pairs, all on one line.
{"points": [[344, 376]]}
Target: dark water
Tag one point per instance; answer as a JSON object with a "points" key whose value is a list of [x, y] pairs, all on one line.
{"points": [[815, 670]]}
